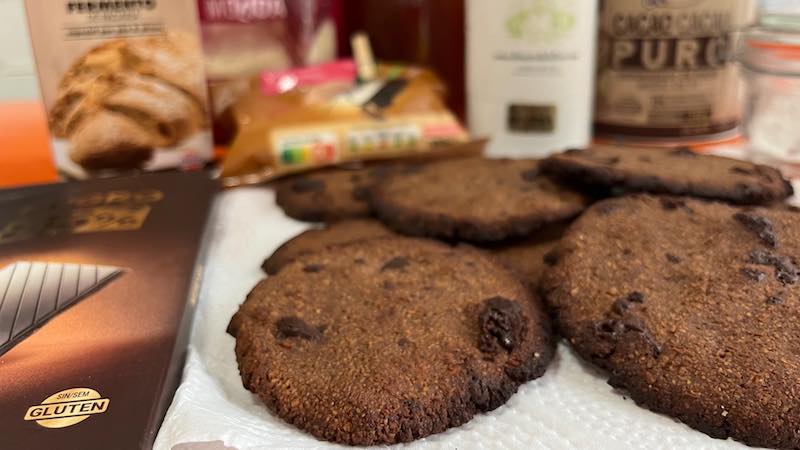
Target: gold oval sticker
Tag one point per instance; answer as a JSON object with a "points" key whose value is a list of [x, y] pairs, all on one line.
{"points": [[68, 407]]}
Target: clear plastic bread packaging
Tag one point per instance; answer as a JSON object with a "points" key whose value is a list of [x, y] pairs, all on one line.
{"points": [[323, 115]]}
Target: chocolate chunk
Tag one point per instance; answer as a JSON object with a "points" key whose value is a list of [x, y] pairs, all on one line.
{"points": [[774, 300], [412, 168], [634, 323], [760, 225], [530, 174], [636, 297], [307, 185], [500, 325], [361, 193], [670, 203], [673, 258], [753, 274], [741, 170], [395, 264], [785, 269], [611, 328], [620, 305], [291, 326], [403, 342], [551, 258], [312, 268], [683, 151]]}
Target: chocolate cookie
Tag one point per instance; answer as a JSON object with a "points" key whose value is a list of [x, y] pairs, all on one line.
{"points": [[529, 257], [330, 194], [473, 199], [692, 306], [314, 240], [676, 171], [389, 340]]}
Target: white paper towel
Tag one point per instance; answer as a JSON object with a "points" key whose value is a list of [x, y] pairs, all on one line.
{"points": [[570, 407]]}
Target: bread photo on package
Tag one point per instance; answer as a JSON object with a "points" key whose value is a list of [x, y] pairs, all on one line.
{"points": [[123, 85]]}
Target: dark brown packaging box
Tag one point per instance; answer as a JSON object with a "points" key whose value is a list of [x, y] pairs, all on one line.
{"points": [[98, 282]]}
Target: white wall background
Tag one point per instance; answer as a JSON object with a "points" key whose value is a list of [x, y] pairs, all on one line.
{"points": [[17, 70]]}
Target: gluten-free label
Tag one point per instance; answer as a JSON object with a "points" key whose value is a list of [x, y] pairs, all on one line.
{"points": [[67, 408]]}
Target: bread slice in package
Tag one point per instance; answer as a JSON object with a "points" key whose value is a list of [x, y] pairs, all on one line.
{"points": [[312, 117], [123, 85]]}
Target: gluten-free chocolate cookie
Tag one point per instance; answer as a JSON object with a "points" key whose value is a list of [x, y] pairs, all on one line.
{"points": [[389, 340], [676, 171], [473, 199], [329, 194], [317, 239], [692, 306]]}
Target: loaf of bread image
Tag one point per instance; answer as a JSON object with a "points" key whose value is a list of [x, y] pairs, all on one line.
{"points": [[127, 97]]}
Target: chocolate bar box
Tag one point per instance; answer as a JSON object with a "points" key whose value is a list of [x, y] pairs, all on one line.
{"points": [[98, 280]]}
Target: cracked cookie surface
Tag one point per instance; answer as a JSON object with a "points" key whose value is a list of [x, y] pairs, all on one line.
{"points": [[692, 307], [389, 340]]}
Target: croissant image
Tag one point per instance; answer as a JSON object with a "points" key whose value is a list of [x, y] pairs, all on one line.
{"points": [[127, 97]]}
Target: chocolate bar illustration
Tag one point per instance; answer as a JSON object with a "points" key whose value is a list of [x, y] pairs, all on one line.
{"points": [[31, 293]]}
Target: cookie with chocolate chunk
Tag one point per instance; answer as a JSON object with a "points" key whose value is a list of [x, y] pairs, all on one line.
{"points": [[473, 199], [692, 306], [317, 239], [677, 171], [333, 193], [389, 340], [324, 195]]}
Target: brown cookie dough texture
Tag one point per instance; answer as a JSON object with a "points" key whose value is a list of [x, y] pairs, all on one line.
{"points": [[676, 171], [473, 199], [331, 194], [127, 97], [314, 240], [389, 340], [692, 306], [530, 256]]}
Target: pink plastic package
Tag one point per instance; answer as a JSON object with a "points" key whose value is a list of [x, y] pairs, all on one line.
{"points": [[244, 37]]}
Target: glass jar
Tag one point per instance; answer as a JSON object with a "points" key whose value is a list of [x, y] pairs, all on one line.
{"points": [[770, 59]]}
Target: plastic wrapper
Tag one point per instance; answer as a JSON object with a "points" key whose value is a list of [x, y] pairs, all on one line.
{"points": [[308, 118], [243, 37]]}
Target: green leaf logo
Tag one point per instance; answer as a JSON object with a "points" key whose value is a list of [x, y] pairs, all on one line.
{"points": [[542, 21]]}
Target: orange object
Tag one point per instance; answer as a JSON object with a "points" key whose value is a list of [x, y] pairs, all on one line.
{"points": [[25, 156]]}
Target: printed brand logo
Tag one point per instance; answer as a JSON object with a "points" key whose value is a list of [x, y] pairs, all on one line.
{"points": [[540, 20], [67, 408], [101, 6]]}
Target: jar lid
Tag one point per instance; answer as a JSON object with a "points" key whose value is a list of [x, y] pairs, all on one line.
{"points": [[773, 46]]}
